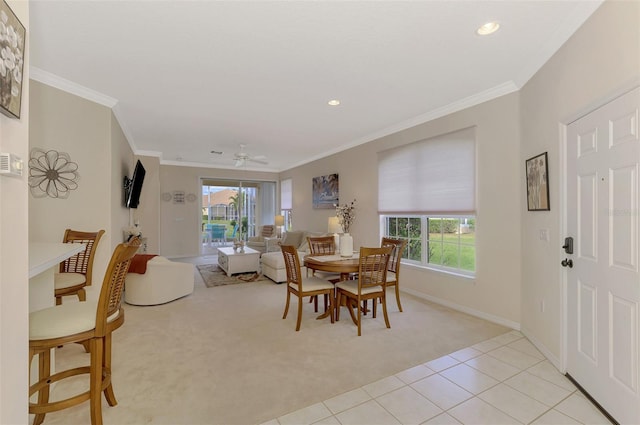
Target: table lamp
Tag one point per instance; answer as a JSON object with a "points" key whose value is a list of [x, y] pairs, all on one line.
{"points": [[335, 228], [279, 221]]}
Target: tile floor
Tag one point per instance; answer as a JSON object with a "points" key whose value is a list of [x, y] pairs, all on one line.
{"points": [[504, 380]]}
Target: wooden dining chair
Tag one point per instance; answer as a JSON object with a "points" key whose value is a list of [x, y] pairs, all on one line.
{"points": [[90, 321], [322, 245], [370, 285], [393, 270], [75, 273], [303, 286]]}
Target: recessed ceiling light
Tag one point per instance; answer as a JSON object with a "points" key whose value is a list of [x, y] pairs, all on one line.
{"points": [[333, 102], [488, 28]]}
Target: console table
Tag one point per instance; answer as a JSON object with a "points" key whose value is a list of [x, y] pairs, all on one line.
{"points": [[238, 262]]}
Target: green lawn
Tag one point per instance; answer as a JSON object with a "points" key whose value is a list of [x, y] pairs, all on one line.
{"points": [[443, 250]]}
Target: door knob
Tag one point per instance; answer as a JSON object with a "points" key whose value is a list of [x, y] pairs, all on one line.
{"points": [[567, 263]]}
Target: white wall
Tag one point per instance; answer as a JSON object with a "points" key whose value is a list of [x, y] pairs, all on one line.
{"points": [[14, 236], [499, 201], [600, 60]]}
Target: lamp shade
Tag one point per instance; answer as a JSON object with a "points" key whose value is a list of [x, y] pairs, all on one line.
{"points": [[334, 225], [279, 220]]}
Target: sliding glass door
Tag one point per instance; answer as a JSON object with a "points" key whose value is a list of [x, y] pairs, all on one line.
{"points": [[242, 206]]}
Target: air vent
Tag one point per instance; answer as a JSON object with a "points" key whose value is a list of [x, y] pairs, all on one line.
{"points": [[10, 164]]}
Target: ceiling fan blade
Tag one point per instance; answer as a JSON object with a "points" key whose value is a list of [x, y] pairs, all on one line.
{"points": [[259, 160], [239, 162]]}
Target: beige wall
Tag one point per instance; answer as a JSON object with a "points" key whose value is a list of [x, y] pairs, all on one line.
{"points": [[122, 163], [600, 60], [180, 225], [14, 236], [148, 211], [499, 200], [90, 135]]}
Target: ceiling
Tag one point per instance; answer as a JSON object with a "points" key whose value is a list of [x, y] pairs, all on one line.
{"points": [[188, 77]]}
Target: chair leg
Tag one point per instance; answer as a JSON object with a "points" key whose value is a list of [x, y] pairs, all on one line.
{"points": [[338, 301], [95, 380], [58, 300], [299, 313], [331, 306], [359, 319], [44, 371], [375, 307], [398, 297], [351, 304], [286, 307], [383, 301], [106, 362], [82, 295]]}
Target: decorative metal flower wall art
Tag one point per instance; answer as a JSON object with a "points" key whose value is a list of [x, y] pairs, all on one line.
{"points": [[52, 174]]}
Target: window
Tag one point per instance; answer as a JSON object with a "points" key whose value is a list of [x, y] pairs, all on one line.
{"points": [[426, 195], [446, 243], [286, 202]]}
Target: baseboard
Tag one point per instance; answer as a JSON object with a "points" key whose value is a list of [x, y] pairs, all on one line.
{"points": [[473, 312], [555, 361]]}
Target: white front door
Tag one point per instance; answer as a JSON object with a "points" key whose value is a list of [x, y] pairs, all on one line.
{"points": [[603, 287]]}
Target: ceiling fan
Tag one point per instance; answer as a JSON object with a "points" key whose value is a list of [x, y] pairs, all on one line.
{"points": [[242, 157]]}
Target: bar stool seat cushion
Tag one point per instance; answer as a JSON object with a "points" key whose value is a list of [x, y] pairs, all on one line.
{"points": [[67, 280], [64, 320]]}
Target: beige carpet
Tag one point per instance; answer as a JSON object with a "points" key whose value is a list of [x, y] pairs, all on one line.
{"points": [[225, 356], [213, 275]]}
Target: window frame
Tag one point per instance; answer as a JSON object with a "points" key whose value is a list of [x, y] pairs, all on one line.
{"points": [[424, 238]]}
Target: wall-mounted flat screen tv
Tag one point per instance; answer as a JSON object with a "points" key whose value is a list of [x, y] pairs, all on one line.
{"points": [[133, 186]]}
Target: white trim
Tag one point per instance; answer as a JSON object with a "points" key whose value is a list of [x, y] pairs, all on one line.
{"points": [[60, 83], [545, 352], [477, 313], [562, 161]]}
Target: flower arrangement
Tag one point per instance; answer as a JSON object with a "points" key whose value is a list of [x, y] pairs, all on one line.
{"points": [[346, 214]]}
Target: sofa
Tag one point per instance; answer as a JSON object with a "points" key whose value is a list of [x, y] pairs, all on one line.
{"points": [[272, 263], [162, 281]]}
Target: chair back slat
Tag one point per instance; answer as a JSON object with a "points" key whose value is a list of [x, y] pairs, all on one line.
{"points": [[398, 246], [82, 262], [373, 266], [113, 284], [292, 264], [321, 245]]}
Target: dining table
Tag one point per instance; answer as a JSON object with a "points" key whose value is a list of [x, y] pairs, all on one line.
{"points": [[333, 264]]}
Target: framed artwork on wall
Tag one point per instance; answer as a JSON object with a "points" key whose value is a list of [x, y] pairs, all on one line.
{"points": [[12, 42], [325, 191], [537, 170]]}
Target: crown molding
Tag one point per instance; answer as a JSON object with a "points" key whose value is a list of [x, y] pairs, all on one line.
{"points": [[476, 99], [53, 80]]}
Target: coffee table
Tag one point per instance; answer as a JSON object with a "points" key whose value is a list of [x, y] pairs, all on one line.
{"points": [[238, 262]]}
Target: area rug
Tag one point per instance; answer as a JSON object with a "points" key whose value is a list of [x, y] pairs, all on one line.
{"points": [[212, 275]]}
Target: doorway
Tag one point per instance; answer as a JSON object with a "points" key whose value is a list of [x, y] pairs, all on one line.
{"points": [[238, 207], [602, 273]]}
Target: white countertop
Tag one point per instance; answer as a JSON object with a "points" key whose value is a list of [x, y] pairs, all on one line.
{"points": [[44, 255]]}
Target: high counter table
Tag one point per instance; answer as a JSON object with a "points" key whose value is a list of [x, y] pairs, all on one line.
{"points": [[44, 257]]}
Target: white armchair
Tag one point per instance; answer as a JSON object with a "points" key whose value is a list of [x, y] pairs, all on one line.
{"points": [[266, 241], [162, 282]]}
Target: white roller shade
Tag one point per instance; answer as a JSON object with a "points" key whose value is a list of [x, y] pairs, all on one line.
{"points": [[286, 194], [436, 175]]}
